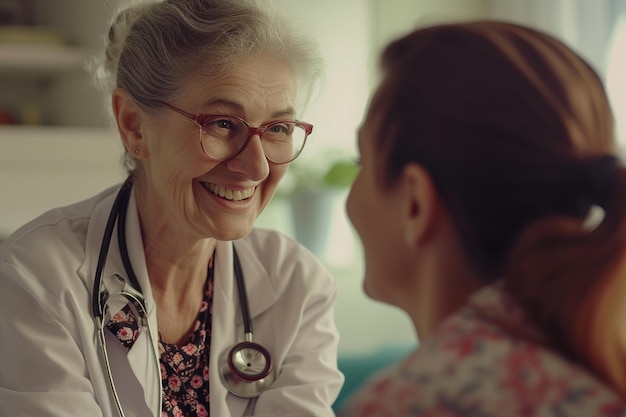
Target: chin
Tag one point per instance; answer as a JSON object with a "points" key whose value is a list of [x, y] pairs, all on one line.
{"points": [[378, 289], [232, 227], [370, 289], [233, 235]]}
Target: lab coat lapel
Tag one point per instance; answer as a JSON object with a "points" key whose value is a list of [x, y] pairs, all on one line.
{"points": [[223, 329], [142, 364], [145, 366], [260, 287], [227, 327]]}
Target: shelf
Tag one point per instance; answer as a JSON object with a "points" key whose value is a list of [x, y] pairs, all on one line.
{"points": [[41, 59], [45, 167], [24, 133]]}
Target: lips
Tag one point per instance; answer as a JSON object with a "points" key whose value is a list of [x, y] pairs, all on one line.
{"points": [[227, 193]]}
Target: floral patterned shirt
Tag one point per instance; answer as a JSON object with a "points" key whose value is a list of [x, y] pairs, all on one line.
{"points": [[472, 367], [184, 369]]}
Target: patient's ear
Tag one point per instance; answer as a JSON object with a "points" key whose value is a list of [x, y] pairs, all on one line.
{"points": [[128, 116], [422, 204]]}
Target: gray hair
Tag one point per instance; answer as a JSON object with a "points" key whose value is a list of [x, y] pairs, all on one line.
{"points": [[153, 48]]}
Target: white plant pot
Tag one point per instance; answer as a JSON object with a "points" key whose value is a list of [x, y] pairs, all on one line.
{"points": [[312, 211]]}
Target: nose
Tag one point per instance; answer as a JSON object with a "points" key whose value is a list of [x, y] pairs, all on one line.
{"points": [[251, 160]]}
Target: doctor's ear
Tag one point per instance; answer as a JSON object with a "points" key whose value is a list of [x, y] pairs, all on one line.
{"points": [[422, 205], [128, 116]]}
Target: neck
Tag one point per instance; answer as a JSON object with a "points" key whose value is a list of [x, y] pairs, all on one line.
{"points": [[178, 289], [175, 272], [439, 298], [443, 279]]}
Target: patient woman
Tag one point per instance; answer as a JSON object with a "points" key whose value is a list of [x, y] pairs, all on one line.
{"points": [[491, 205]]}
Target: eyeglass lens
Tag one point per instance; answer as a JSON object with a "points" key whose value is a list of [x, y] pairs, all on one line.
{"points": [[224, 137]]}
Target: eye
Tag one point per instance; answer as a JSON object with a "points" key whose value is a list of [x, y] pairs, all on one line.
{"points": [[224, 128], [281, 128], [219, 124]]}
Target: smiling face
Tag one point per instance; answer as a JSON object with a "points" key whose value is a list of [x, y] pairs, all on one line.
{"points": [[183, 194]]}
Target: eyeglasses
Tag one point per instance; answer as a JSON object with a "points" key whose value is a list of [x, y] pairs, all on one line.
{"points": [[223, 137]]}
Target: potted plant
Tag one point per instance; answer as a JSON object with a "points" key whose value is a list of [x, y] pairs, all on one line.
{"points": [[312, 188]]}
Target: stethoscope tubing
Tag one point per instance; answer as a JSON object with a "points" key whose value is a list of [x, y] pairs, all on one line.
{"points": [[243, 296], [119, 206], [100, 296]]}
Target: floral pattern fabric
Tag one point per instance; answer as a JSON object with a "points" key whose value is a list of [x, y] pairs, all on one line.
{"points": [[472, 366], [184, 369]]}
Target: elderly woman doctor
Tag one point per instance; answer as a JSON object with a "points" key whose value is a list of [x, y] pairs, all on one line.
{"points": [[158, 297]]}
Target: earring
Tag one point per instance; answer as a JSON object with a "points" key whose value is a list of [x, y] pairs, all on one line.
{"points": [[136, 151]]}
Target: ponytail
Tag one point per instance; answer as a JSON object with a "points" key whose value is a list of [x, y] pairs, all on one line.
{"points": [[572, 281]]}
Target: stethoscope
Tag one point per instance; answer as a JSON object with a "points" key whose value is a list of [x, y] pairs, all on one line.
{"points": [[245, 369]]}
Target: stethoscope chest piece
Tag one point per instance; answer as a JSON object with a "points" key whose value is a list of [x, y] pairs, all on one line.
{"points": [[246, 369]]}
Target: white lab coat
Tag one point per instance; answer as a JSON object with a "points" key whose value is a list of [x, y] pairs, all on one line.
{"points": [[50, 364]]}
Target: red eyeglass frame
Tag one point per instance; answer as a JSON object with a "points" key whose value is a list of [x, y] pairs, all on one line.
{"points": [[200, 119]]}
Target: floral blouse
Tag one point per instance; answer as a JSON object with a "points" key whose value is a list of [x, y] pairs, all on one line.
{"points": [[184, 369], [472, 367]]}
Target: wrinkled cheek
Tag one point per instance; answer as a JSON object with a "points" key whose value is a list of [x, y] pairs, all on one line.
{"points": [[276, 174], [266, 190]]}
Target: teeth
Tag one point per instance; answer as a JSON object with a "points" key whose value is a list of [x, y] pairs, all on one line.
{"points": [[227, 193]]}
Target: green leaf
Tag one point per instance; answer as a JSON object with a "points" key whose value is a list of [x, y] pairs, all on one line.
{"points": [[341, 174]]}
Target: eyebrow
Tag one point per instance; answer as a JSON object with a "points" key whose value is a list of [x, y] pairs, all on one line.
{"points": [[236, 107]]}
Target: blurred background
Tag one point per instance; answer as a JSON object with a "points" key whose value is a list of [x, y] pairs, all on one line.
{"points": [[57, 145]]}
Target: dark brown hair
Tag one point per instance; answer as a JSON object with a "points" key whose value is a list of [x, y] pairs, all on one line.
{"points": [[517, 133]]}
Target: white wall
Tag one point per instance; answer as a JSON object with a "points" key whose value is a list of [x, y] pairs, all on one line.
{"points": [[395, 17], [41, 169], [341, 28], [616, 79], [583, 25]]}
